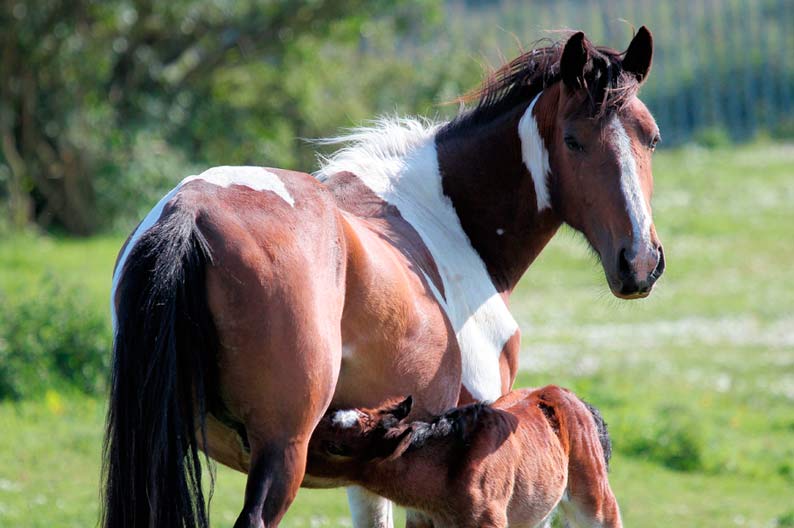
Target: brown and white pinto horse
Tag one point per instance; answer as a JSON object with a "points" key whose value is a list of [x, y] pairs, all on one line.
{"points": [[250, 299], [479, 466]]}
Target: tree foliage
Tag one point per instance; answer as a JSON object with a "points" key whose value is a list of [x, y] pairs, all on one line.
{"points": [[106, 103]]}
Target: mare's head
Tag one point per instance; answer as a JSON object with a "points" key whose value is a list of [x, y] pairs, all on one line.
{"points": [[600, 139], [586, 144]]}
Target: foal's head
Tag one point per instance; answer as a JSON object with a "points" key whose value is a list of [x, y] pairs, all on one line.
{"points": [[358, 435], [600, 138]]}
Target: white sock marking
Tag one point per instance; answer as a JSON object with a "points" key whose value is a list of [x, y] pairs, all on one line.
{"points": [[256, 178], [535, 155], [369, 510]]}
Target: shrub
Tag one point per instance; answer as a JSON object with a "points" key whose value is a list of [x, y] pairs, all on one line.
{"points": [[673, 438], [786, 520], [712, 137], [51, 338]]}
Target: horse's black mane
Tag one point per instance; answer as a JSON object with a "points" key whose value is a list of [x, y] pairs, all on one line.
{"points": [[458, 423], [520, 80]]}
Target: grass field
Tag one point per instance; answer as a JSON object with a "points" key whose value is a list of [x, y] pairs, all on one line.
{"points": [[696, 382]]}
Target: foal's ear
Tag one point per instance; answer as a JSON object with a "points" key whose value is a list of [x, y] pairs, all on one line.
{"points": [[403, 408], [572, 63], [639, 55]]}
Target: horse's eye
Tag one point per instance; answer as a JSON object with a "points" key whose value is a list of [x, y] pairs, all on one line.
{"points": [[655, 141], [332, 448], [572, 144]]}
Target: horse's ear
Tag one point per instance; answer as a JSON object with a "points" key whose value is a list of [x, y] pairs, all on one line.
{"points": [[639, 55], [574, 58], [403, 409]]}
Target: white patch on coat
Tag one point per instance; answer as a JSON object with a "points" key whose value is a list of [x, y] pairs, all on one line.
{"points": [[345, 419], [535, 155], [636, 205], [256, 178], [397, 160], [348, 351]]}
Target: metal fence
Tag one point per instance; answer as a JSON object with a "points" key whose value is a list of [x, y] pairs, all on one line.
{"points": [[721, 67]]}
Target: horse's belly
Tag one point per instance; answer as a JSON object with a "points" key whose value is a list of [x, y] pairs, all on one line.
{"points": [[371, 375], [405, 349]]}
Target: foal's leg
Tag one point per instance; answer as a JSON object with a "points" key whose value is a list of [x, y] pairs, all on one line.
{"points": [[496, 518], [592, 509], [369, 510], [589, 501]]}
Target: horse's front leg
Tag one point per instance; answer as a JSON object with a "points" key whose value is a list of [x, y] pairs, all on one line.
{"points": [[369, 510]]}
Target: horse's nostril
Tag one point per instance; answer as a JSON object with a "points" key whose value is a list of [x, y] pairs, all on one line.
{"points": [[660, 264], [624, 268]]}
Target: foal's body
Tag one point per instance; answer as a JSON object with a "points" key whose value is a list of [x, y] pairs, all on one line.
{"points": [[510, 463]]}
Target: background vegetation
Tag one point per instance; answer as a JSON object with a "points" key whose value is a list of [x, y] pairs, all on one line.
{"points": [[106, 105]]}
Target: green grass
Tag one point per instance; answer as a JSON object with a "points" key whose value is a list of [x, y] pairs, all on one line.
{"points": [[85, 263], [699, 376]]}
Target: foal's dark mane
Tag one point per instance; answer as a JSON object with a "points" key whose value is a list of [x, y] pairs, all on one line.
{"points": [[521, 79], [458, 423]]}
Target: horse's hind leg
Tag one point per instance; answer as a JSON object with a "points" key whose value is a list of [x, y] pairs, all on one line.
{"points": [[280, 390], [273, 482], [278, 366], [280, 397]]}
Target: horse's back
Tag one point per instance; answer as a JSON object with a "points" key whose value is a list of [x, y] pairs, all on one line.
{"points": [[249, 202]]}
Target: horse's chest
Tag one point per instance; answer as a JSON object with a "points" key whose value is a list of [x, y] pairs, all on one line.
{"points": [[451, 304], [483, 326]]}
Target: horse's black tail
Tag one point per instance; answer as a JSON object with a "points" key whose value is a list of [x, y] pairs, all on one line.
{"points": [[164, 357]]}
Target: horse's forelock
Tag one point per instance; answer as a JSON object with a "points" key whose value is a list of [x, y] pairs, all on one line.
{"points": [[520, 80]]}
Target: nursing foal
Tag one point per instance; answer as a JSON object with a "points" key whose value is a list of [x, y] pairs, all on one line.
{"points": [[509, 463]]}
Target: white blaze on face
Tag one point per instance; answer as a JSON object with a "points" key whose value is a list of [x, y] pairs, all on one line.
{"points": [[535, 155], [642, 260], [256, 178]]}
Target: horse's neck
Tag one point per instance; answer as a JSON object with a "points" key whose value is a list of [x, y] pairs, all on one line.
{"points": [[488, 182]]}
